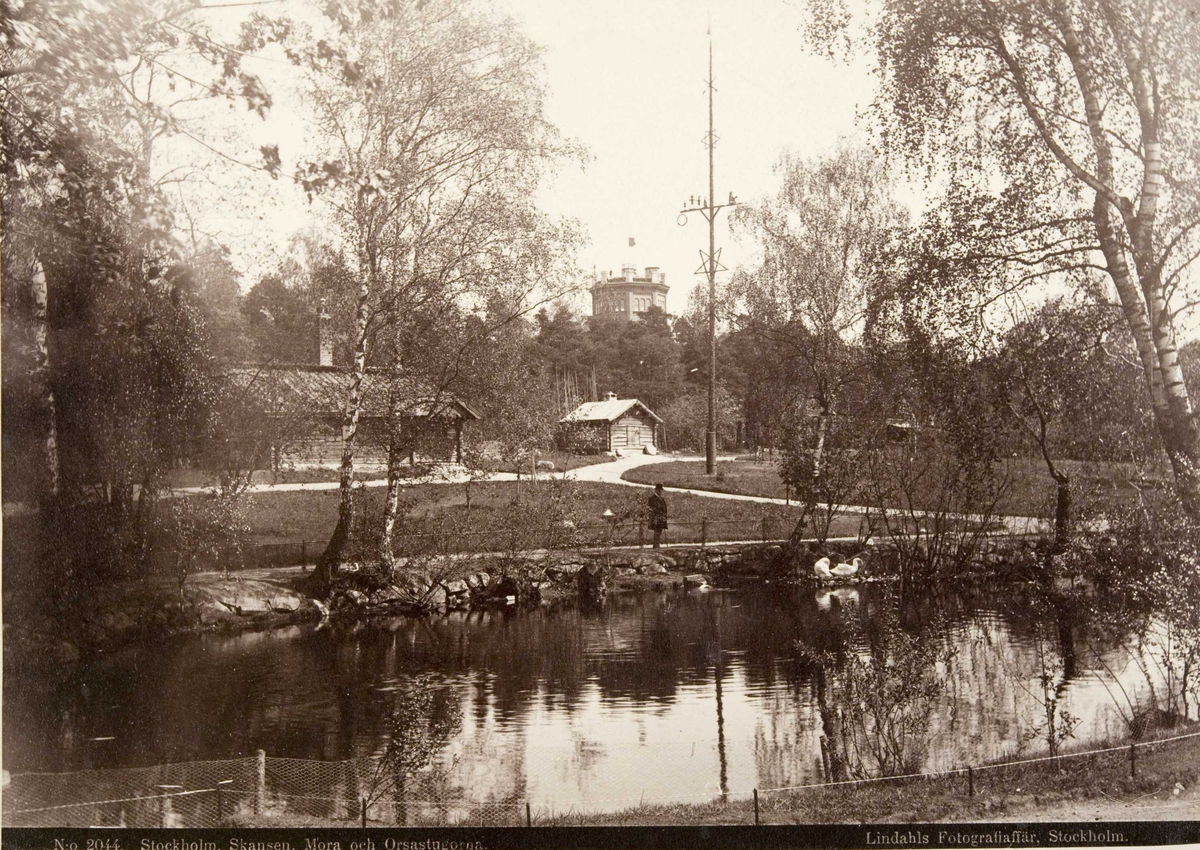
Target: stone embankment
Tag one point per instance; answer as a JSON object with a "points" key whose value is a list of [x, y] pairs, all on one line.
{"points": [[272, 597]]}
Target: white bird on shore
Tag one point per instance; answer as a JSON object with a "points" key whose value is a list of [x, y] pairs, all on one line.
{"points": [[847, 570], [821, 568]]}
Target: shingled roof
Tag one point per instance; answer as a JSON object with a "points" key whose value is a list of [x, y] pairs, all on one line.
{"points": [[609, 410], [322, 390]]}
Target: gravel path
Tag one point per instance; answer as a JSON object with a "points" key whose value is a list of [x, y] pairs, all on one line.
{"points": [[606, 473]]}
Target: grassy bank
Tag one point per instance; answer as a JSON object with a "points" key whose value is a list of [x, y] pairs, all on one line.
{"points": [[1045, 790], [1071, 789], [487, 515]]}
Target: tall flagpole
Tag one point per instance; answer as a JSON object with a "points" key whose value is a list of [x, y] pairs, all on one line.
{"points": [[709, 209]]}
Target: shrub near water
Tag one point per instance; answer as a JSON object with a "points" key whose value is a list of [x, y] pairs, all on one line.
{"points": [[1146, 573], [876, 687]]}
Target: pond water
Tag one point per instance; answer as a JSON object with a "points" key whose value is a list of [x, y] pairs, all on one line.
{"points": [[661, 695]]}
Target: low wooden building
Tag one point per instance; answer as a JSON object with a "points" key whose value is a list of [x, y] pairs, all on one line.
{"points": [[615, 424], [301, 408]]}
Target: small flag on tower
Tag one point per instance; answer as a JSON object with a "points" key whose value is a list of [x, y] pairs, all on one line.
{"points": [[631, 241]]}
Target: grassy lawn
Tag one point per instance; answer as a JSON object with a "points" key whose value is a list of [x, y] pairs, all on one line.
{"points": [[742, 477], [495, 520], [1030, 490], [286, 526]]}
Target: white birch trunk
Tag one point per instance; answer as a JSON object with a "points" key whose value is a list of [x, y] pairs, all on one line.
{"points": [[395, 455], [331, 557], [41, 379]]}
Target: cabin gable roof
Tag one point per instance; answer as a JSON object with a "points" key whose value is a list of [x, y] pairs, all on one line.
{"points": [[609, 410]]}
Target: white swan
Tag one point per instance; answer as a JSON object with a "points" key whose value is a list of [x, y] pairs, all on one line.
{"points": [[821, 568], [838, 597], [844, 596], [847, 570]]}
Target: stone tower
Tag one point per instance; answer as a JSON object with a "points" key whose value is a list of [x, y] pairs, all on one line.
{"points": [[628, 295]]}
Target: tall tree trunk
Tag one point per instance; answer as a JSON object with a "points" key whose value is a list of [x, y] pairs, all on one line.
{"points": [[1149, 321], [395, 460], [1144, 306], [391, 507], [819, 453], [1062, 511], [792, 549], [49, 491], [327, 564], [51, 540], [1177, 425]]}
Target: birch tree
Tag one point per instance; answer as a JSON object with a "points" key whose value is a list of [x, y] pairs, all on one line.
{"points": [[820, 236], [1067, 112], [435, 137]]}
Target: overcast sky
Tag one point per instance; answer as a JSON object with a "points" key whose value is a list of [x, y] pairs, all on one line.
{"points": [[626, 78]]}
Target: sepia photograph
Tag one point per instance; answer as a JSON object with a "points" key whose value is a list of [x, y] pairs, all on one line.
{"points": [[470, 424]]}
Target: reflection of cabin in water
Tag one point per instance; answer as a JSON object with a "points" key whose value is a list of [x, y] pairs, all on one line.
{"points": [[615, 424], [300, 410]]}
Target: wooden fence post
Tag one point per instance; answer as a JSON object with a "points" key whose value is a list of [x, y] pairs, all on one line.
{"points": [[303, 556], [260, 782], [364, 812], [1133, 759], [756, 807], [528, 814], [703, 531], [165, 813], [970, 782]]}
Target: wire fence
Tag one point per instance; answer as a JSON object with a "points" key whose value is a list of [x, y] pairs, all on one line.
{"points": [[262, 791]]}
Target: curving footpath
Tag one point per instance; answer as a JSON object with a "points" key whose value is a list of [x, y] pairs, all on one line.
{"points": [[611, 472]]}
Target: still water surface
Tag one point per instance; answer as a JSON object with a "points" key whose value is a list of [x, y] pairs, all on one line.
{"points": [[662, 695]]}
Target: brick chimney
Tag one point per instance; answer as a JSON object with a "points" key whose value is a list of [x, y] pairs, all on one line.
{"points": [[325, 337]]}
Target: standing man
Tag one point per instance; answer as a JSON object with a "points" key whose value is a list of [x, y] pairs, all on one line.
{"points": [[658, 513]]}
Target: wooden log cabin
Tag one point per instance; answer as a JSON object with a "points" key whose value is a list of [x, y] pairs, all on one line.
{"points": [[614, 425], [299, 409]]}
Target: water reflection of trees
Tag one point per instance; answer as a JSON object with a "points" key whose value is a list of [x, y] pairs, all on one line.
{"points": [[875, 684], [1041, 674], [323, 694]]}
